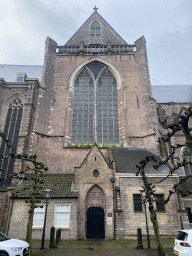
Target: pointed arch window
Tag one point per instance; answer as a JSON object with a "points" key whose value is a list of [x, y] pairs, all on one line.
{"points": [[11, 132], [95, 106], [95, 29]]}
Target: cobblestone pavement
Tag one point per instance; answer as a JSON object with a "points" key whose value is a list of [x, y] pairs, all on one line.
{"points": [[102, 248]]}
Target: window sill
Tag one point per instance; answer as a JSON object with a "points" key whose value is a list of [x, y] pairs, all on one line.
{"points": [[65, 228], [38, 228], [90, 145]]}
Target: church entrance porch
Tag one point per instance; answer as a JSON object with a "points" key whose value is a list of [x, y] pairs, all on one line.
{"points": [[95, 223]]}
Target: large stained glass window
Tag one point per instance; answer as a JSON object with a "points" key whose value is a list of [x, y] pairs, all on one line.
{"points": [[11, 132], [95, 106]]}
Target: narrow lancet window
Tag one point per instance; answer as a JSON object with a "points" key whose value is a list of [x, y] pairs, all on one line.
{"points": [[11, 132]]}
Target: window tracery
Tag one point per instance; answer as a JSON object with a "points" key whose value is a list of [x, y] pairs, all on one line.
{"points": [[95, 106], [95, 67]]}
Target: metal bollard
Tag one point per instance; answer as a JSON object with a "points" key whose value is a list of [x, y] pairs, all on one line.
{"points": [[139, 239], [58, 236], [52, 238]]}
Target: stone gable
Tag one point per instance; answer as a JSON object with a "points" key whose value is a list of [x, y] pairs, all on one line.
{"points": [[86, 183], [108, 34]]}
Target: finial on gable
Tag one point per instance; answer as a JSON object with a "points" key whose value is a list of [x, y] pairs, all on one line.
{"points": [[95, 8]]}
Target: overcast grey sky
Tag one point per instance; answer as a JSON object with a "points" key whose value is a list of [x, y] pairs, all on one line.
{"points": [[166, 25]]}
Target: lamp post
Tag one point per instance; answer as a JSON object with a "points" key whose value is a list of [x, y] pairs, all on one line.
{"points": [[143, 195], [47, 196]]}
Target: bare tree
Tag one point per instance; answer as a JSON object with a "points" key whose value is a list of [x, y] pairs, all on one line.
{"points": [[182, 125], [36, 170]]}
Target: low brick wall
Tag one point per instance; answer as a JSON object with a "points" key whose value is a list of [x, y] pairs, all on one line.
{"points": [[18, 223]]}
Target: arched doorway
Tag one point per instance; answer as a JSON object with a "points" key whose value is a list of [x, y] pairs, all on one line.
{"points": [[95, 214], [95, 223]]}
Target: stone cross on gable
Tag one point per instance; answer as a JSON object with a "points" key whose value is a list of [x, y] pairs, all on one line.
{"points": [[95, 8]]}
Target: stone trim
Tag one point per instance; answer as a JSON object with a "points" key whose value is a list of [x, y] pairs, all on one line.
{"points": [[124, 175], [113, 69], [90, 145], [120, 96]]}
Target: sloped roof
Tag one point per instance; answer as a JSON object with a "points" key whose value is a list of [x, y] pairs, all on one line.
{"points": [[108, 34], [186, 185], [60, 185], [126, 160], [9, 72], [172, 93]]}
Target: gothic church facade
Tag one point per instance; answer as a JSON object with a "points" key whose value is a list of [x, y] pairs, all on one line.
{"points": [[90, 120]]}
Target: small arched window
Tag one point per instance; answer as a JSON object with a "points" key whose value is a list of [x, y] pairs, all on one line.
{"points": [[95, 29]]}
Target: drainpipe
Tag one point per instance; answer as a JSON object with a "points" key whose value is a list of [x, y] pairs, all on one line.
{"points": [[114, 206]]}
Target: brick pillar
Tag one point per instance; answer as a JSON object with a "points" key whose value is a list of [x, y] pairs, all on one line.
{"points": [[46, 95], [27, 122]]}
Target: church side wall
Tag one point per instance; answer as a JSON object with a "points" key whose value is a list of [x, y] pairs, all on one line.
{"points": [[169, 221]]}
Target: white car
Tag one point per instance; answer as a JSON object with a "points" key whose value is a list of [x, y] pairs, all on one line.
{"points": [[183, 243], [13, 247]]}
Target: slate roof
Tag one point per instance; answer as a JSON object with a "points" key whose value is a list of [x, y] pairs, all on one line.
{"points": [[83, 34], [60, 185], [9, 72], [172, 93], [126, 160], [186, 185], [161, 93]]}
